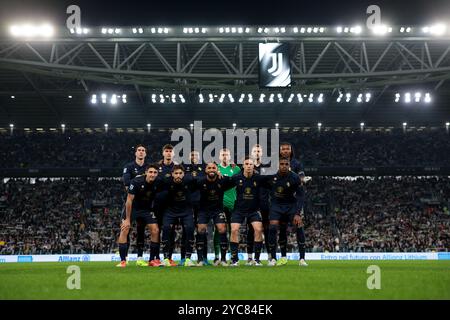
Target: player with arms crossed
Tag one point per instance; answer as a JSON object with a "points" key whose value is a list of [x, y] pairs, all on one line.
{"points": [[226, 169], [211, 190], [130, 171], [285, 207], [247, 208], [141, 194]]}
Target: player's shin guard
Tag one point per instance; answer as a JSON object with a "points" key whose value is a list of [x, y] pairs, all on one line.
{"points": [[282, 240], [189, 230], [216, 243], [140, 238], [123, 248], [250, 240], [167, 242], [223, 246], [128, 243], [201, 243], [183, 245], [154, 250], [273, 231], [301, 241], [258, 247], [234, 251]]}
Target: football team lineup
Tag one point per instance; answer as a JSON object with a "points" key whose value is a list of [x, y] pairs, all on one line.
{"points": [[218, 193]]}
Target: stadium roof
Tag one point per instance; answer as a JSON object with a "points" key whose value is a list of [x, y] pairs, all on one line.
{"points": [[45, 81]]}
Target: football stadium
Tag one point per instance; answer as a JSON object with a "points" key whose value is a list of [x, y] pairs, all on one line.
{"points": [[213, 160]]}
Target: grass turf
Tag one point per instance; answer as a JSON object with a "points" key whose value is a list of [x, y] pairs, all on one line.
{"points": [[321, 280]]}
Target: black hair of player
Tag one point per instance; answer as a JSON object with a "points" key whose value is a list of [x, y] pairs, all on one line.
{"points": [[177, 167], [150, 166], [140, 146]]}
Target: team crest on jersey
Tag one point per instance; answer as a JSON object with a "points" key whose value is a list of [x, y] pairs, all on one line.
{"points": [[167, 175], [248, 190], [254, 183], [280, 189], [124, 170], [194, 173], [288, 184]]}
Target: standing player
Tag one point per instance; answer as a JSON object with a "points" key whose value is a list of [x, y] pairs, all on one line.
{"points": [[247, 208], [178, 209], [130, 171], [141, 193], [165, 171], [286, 151], [285, 207], [226, 169], [260, 168], [211, 190]]}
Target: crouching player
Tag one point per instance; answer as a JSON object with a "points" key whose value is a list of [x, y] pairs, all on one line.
{"points": [[212, 189], [141, 195], [284, 208]]}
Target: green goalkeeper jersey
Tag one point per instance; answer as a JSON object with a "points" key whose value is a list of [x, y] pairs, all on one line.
{"points": [[229, 196]]}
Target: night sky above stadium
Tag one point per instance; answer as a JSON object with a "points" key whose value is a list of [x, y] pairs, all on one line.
{"points": [[214, 12]]}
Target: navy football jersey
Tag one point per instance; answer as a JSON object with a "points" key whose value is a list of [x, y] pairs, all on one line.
{"points": [[131, 170], [247, 193], [211, 193], [144, 192]]}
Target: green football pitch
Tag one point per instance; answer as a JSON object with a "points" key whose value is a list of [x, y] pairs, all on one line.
{"points": [[320, 280]]}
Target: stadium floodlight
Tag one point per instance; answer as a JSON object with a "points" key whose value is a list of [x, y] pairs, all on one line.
{"points": [[266, 30], [280, 97], [134, 30], [28, 30], [162, 99], [319, 124], [356, 29], [436, 29], [182, 98], [402, 29], [117, 30], [13, 97], [247, 30], [408, 29], [94, 99], [417, 96], [362, 124], [241, 98], [397, 97], [113, 99], [309, 30], [299, 97], [204, 30], [405, 124], [79, 31], [276, 30], [339, 29], [346, 29], [153, 30], [295, 30], [234, 125], [197, 30], [320, 98], [277, 125], [227, 30], [231, 98], [106, 125], [291, 97], [316, 29], [103, 97], [368, 96], [250, 98], [341, 95], [192, 126], [63, 125], [321, 29], [271, 98], [211, 98], [302, 30], [447, 124], [70, 97], [283, 29], [11, 125], [110, 30], [311, 97], [148, 125], [381, 29], [140, 30], [260, 30], [104, 30], [348, 96], [124, 98], [427, 98], [407, 97], [261, 97], [72, 30], [240, 30], [359, 99]]}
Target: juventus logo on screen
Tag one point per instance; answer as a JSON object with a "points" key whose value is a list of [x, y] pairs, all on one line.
{"points": [[274, 65]]}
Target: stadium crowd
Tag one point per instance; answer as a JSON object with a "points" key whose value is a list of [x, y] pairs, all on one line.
{"points": [[81, 215], [327, 148]]}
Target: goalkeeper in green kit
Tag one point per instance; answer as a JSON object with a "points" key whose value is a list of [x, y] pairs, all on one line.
{"points": [[229, 197]]}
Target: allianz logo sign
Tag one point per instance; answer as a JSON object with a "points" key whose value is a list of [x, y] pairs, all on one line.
{"points": [[83, 258]]}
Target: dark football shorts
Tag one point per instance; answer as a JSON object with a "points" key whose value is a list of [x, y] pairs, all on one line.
{"points": [[283, 212], [216, 216], [239, 217]]}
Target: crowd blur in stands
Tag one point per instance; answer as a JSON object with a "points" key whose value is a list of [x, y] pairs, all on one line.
{"points": [[82, 215]]}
